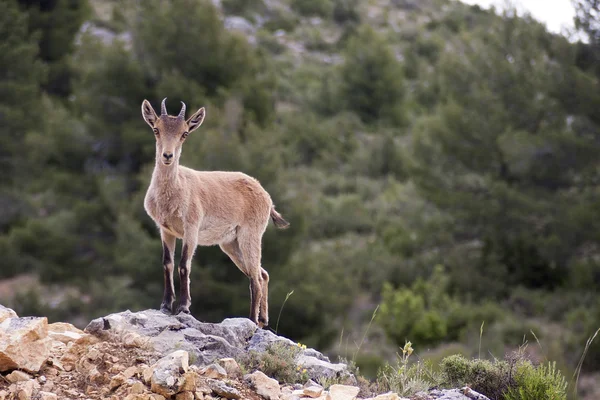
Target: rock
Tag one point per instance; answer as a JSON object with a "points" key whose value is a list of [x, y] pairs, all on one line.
{"points": [[388, 396], [230, 339], [190, 382], [138, 388], [313, 391], [231, 367], [116, 381], [317, 367], [185, 396], [6, 313], [465, 393], [223, 390], [64, 332], [215, 371], [24, 343], [18, 376], [156, 396], [266, 387], [167, 375], [25, 390], [342, 392], [47, 396]]}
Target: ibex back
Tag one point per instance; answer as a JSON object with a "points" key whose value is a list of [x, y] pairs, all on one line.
{"points": [[229, 209]]}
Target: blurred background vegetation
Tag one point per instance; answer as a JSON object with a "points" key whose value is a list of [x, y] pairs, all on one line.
{"points": [[436, 159]]}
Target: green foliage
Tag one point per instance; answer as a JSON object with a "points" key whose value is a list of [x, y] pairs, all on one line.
{"points": [[544, 382], [490, 378], [279, 361], [407, 378], [346, 11], [320, 8], [56, 22], [372, 80]]}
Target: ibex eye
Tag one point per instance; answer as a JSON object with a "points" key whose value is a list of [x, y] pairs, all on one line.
{"points": [[155, 131], [185, 134]]}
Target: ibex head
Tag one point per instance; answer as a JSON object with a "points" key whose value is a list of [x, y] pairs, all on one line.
{"points": [[170, 131]]}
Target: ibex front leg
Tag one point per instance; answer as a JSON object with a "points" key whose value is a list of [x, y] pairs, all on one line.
{"points": [[190, 241], [168, 242]]}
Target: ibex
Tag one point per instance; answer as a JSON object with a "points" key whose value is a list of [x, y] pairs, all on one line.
{"points": [[230, 209]]}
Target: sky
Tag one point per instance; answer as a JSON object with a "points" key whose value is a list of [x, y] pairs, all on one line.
{"points": [[556, 14]]}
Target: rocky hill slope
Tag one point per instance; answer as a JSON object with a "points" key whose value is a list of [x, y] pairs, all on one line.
{"points": [[147, 355]]}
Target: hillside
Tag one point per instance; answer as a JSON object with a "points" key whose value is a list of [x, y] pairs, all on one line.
{"points": [[437, 163]]}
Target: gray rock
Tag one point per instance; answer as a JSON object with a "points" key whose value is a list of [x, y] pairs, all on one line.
{"points": [[223, 390], [465, 393], [167, 373], [206, 342], [266, 387], [239, 24]]}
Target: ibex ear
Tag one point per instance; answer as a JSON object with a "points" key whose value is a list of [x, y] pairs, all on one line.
{"points": [[196, 120], [148, 113]]}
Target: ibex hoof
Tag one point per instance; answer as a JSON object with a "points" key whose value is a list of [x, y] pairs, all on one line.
{"points": [[165, 309], [262, 323], [183, 310]]}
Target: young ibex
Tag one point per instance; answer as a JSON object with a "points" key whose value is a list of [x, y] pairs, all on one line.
{"points": [[230, 209]]}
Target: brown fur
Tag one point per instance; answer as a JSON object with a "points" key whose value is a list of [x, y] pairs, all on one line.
{"points": [[229, 209]]}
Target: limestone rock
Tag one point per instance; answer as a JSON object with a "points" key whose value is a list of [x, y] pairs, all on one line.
{"points": [[230, 339], [24, 343], [167, 375], [312, 391], [18, 376], [388, 396], [223, 390], [185, 396], [215, 371], [465, 393], [6, 313], [138, 388], [47, 396], [64, 332], [266, 387], [342, 392], [232, 368]]}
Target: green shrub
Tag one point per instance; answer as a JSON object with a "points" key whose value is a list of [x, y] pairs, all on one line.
{"points": [[544, 382], [346, 11], [278, 361], [307, 8], [407, 378], [486, 377]]}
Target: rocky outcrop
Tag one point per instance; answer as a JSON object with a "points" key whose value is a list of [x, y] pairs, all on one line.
{"points": [[151, 356], [207, 342]]}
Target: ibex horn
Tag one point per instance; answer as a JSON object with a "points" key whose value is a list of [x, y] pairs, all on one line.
{"points": [[163, 107], [182, 112]]}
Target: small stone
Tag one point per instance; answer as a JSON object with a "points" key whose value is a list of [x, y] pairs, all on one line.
{"points": [[189, 382], [25, 389], [167, 376], [231, 367], [198, 396], [130, 372], [223, 390], [93, 354], [215, 371], [138, 388], [47, 396], [313, 391], [342, 392], [156, 396], [116, 381], [264, 386], [18, 376], [185, 396], [147, 374], [42, 379], [389, 396]]}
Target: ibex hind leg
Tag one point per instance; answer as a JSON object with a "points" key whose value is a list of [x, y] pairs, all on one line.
{"points": [[250, 249]]}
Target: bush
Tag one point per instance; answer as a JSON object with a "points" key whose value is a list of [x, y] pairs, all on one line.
{"points": [[513, 379], [307, 8], [278, 361], [542, 383], [346, 11]]}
